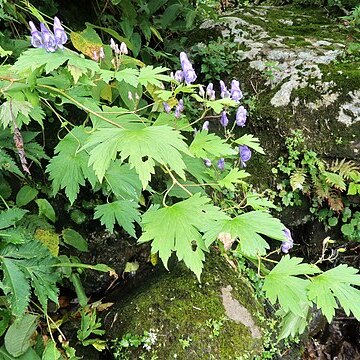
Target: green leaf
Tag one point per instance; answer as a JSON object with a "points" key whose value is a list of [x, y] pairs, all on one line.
{"points": [[8, 164], [207, 145], [123, 181], [178, 228], [73, 238], [297, 179], [32, 59], [128, 75], [124, 212], [9, 217], [284, 285], [250, 141], [46, 209], [11, 109], [51, 352], [17, 338], [150, 75], [142, 145], [292, 324], [15, 287], [5, 317], [234, 176], [25, 195], [30, 354], [69, 168], [248, 228], [257, 202], [335, 285]]}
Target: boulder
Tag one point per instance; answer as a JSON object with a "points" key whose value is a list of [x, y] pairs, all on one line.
{"points": [[299, 70], [172, 315]]}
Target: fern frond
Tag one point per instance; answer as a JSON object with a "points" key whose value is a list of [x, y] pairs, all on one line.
{"points": [[346, 169]]}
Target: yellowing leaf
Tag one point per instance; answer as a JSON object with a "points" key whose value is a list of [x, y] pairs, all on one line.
{"points": [[87, 41], [49, 238]]}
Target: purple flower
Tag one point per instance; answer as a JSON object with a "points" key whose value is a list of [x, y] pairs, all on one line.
{"points": [[224, 119], [59, 33], [36, 37], [189, 73], [207, 162], [179, 76], [289, 243], [48, 38], [167, 107], [241, 116], [177, 112], [236, 93], [224, 92], [245, 154], [206, 125], [210, 92], [221, 164], [181, 105]]}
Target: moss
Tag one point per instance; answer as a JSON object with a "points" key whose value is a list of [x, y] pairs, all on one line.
{"points": [[175, 306]]}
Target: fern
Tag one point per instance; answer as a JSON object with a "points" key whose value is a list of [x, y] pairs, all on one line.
{"points": [[346, 169]]}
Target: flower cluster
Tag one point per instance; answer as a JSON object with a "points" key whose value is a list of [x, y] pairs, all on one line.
{"points": [[187, 72], [289, 243], [46, 39], [119, 51]]}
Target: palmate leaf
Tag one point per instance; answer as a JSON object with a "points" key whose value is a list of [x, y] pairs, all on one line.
{"points": [[69, 168], [8, 164], [250, 141], [178, 228], [123, 181], [153, 76], [335, 285], [284, 284], [234, 176], [210, 145], [248, 228], [142, 145], [124, 212]]}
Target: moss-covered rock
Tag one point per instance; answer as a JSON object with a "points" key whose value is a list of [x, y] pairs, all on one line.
{"points": [[298, 66], [184, 319]]}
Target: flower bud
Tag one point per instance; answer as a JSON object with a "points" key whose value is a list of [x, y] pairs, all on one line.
{"points": [[241, 116], [224, 119]]}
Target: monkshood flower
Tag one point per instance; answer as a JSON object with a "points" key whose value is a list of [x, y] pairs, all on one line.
{"points": [[179, 76], [177, 112], [206, 125], [59, 33], [224, 92], [236, 93], [241, 116], [210, 92], [181, 105], [48, 38], [167, 107], [189, 73], [289, 243], [123, 48], [224, 119], [207, 162], [221, 164], [36, 37], [112, 44], [101, 53], [244, 154], [201, 91]]}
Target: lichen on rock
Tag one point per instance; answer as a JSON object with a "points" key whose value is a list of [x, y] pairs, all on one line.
{"points": [[218, 316]]}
